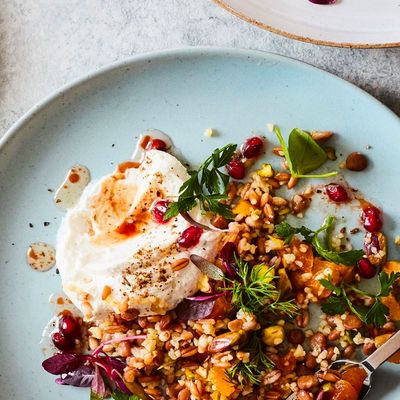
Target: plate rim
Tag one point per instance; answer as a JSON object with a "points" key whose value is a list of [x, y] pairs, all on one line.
{"points": [[300, 38], [165, 54]]}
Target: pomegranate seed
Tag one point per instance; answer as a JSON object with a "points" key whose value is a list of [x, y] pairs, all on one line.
{"points": [[69, 326], [252, 147], [236, 169], [62, 342], [156, 144], [372, 219], [371, 244], [158, 211], [336, 193], [366, 269], [190, 237]]}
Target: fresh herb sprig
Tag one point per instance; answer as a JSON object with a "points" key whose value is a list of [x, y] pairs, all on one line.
{"points": [[123, 396], [303, 154], [207, 186], [287, 232], [254, 291], [340, 300], [249, 372]]}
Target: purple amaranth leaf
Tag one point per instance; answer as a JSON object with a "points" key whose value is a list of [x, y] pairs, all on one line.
{"points": [[98, 386], [81, 377], [118, 340], [64, 362], [119, 382], [194, 310], [228, 255]]}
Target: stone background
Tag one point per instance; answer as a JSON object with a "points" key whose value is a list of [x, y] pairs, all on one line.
{"points": [[44, 44]]}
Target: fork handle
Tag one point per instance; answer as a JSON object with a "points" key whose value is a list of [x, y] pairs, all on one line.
{"points": [[383, 353]]}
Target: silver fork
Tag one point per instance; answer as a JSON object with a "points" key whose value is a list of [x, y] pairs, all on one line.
{"points": [[370, 364]]}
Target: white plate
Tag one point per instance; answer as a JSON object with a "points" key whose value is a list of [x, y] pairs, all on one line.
{"points": [[348, 23]]}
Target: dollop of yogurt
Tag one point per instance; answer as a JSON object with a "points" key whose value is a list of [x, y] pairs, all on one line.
{"points": [[113, 256]]}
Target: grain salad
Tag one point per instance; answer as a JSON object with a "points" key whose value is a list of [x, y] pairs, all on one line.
{"points": [[234, 317]]}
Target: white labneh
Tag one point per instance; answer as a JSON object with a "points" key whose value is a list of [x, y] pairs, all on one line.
{"points": [[113, 256]]}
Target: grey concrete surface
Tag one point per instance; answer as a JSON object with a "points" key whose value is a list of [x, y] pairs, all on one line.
{"points": [[44, 44]]}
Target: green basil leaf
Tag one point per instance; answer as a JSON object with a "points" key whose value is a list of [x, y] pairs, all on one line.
{"points": [[305, 153], [348, 258], [284, 148]]}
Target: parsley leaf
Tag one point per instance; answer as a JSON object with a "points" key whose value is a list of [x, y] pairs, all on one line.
{"points": [[386, 281], [206, 186], [334, 305], [377, 314], [327, 283], [286, 231], [339, 301], [303, 154]]}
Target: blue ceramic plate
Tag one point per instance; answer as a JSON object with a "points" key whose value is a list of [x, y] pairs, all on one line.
{"points": [[95, 122]]}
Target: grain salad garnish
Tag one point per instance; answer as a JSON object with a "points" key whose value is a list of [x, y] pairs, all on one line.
{"points": [[245, 331]]}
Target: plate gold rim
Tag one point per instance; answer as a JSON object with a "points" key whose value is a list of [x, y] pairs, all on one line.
{"points": [[305, 39]]}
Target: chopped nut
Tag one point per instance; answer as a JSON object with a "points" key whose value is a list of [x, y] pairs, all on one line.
{"points": [[224, 342], [208, 132], [179, 264], [356, 162]]}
